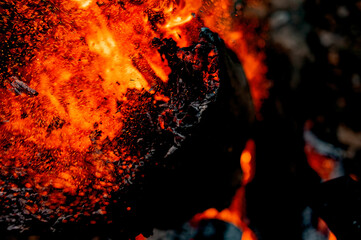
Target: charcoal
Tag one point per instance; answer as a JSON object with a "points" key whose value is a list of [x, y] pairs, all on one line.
{"points": [[338, 203], [190, 144], [188, 98], [207, 229]]}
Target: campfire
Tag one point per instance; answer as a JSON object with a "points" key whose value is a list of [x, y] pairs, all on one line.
{"points": [[98, 94]]}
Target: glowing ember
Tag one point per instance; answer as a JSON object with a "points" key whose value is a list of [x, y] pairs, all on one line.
{"points": [[75, 74], [322, 165]]}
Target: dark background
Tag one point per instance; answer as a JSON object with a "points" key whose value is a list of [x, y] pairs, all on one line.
{"points": [[313, 58]]}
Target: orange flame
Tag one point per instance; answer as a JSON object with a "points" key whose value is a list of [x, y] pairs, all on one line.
{"points": [[241, 38], [332, 236], [248, 162], [236, 212], [84, 56]]}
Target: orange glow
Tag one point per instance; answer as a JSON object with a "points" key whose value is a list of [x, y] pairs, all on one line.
{"points": [[84, 57], [248, 162], [323, 229], [332, 236], [248, 235], [243, 41]]}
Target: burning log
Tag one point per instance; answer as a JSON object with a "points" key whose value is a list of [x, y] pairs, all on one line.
{"points": [[205, 100], [213, 117], [99, 149]]}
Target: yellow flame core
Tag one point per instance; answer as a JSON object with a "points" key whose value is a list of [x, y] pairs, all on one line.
{"points": [[84, 3]]}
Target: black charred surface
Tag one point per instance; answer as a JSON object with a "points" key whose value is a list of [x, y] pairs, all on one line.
{"points": [[157, 127], [206, 230], [191, 144], [338, 203]]}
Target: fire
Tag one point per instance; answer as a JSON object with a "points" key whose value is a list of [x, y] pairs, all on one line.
{"points": [[332, 236], [67, 74], [241, 38], [236, 212], [248, 162], [83, 4]]}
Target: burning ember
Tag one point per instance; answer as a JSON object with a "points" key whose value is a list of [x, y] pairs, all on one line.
{"points": [[94, 90]]}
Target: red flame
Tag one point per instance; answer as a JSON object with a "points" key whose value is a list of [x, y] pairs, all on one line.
{"points": [[80, 58]]}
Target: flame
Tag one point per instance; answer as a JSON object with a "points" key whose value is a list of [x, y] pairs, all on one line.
{"points": [[248, 162], [83, 3], [236, 212], [324, 230], [332, 236], [81, 57], [241, 38]]}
